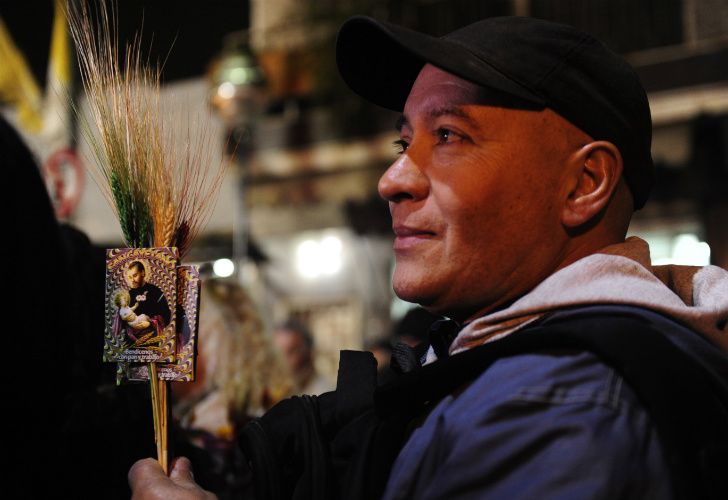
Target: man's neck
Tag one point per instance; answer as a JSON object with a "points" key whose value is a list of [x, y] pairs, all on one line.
{"points": [[575, 251]]}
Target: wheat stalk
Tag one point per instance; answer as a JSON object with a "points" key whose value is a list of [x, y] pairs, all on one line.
{"points": [[160, 197]]}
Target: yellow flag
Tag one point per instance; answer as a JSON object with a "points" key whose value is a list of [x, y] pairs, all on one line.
{"points": [[56, 105], [17, 84], [38, 112], [60, 59]]}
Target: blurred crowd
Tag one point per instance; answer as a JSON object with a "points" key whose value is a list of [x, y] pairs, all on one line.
{"points": [[72, 414]]}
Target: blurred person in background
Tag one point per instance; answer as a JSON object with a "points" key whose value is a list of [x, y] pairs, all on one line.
{"points": [[295, 342], [239, 375]]}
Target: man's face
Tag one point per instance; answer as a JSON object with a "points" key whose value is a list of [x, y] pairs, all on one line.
{"points": [[475, 199], [136, 277], [294, 349]]}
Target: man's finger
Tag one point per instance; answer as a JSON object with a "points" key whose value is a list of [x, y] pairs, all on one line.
{"points": [[181, 472], [144, 471]]}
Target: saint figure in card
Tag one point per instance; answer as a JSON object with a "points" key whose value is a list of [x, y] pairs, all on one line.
{"points": [[143, 309]]}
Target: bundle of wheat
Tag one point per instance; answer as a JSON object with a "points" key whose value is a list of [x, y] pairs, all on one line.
{"points": [[160, 193]]}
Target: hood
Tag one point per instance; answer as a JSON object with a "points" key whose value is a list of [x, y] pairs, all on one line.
{"points": [[619, 274]]}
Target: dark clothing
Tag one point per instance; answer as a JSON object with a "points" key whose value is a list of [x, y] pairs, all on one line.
{"points": [[72, 433], [151, 302], [219, 465], [672, 395], [39, 280]]}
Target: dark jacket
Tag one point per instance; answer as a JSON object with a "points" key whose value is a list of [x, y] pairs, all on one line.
{"points": [[344, 444]]}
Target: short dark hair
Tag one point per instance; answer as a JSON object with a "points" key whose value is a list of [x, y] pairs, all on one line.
{"points": [[299, 328], [139, 266]]}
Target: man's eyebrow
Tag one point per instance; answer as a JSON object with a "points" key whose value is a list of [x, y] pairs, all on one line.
{"points": [[437, 112], [452, 111]]}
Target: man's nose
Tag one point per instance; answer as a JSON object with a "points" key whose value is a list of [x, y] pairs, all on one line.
{"points": [[403, 180]]}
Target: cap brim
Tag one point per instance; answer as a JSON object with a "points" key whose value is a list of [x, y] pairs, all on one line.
{"points": [[381, 61]]}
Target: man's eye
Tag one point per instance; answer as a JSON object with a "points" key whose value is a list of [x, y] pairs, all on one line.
{"points": [[445, 135], [400, 146]]}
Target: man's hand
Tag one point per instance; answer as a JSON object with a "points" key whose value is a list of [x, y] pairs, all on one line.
{"points": [[148, 481]]}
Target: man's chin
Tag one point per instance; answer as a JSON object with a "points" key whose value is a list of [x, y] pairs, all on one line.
{"points": [[415, 295]]}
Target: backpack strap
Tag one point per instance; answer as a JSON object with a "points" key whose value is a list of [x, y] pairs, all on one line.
{"points": [[310, 447], [287, 451]]}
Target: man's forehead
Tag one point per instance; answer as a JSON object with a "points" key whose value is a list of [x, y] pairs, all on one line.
{"points": [[438, 93], [437, 110], [441, 92]]}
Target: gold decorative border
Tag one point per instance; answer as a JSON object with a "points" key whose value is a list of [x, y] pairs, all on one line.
{"points": [[160, 264]]}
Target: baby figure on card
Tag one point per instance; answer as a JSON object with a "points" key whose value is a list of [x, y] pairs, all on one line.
{"points": [[127, 314]]}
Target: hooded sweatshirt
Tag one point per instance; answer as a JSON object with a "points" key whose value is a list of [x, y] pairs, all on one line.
{"points": [[556, 423], [619, 274]]}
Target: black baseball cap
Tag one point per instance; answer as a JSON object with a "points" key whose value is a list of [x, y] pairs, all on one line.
{"points": [[544, 64]]}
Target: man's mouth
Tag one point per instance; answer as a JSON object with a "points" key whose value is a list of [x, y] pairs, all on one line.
{"points": [[407, 237]]}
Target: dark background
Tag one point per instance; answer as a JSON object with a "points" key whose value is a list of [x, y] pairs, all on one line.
{"points": [[187, 34]]}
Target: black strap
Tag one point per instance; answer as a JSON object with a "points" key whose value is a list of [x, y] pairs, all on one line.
{"points": [[287, 452], [442, 333], [404, 359]]}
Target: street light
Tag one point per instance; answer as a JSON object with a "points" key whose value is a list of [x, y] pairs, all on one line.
{"points": [[238, 84]]}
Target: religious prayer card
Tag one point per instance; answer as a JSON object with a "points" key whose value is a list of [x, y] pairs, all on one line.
{"points": [[141, 291], [188, 307]]}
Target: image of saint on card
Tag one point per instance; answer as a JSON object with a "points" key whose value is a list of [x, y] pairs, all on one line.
{"points": [[141, 283], [187, 316]]}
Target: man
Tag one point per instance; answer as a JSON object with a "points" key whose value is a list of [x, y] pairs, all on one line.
{"points": [[147, 298], [295, 343], [525, 149]]}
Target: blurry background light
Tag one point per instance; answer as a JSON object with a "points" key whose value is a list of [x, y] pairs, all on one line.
{"points": [[682, 249], [330, 248], [316, 258], [226, 90], [238, 83], [307, 259], [223, 268], [689, 250]]}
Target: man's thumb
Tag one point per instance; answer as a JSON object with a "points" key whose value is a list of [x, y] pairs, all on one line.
{"points": [[181, 472]]}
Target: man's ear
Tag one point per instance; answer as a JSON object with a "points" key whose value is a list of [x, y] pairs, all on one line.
{"points": [[596, 169]]}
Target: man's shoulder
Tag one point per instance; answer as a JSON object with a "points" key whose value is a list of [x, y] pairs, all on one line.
{"points": [[567, 359], [542, 378], [613, 315], [627, 327]]}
